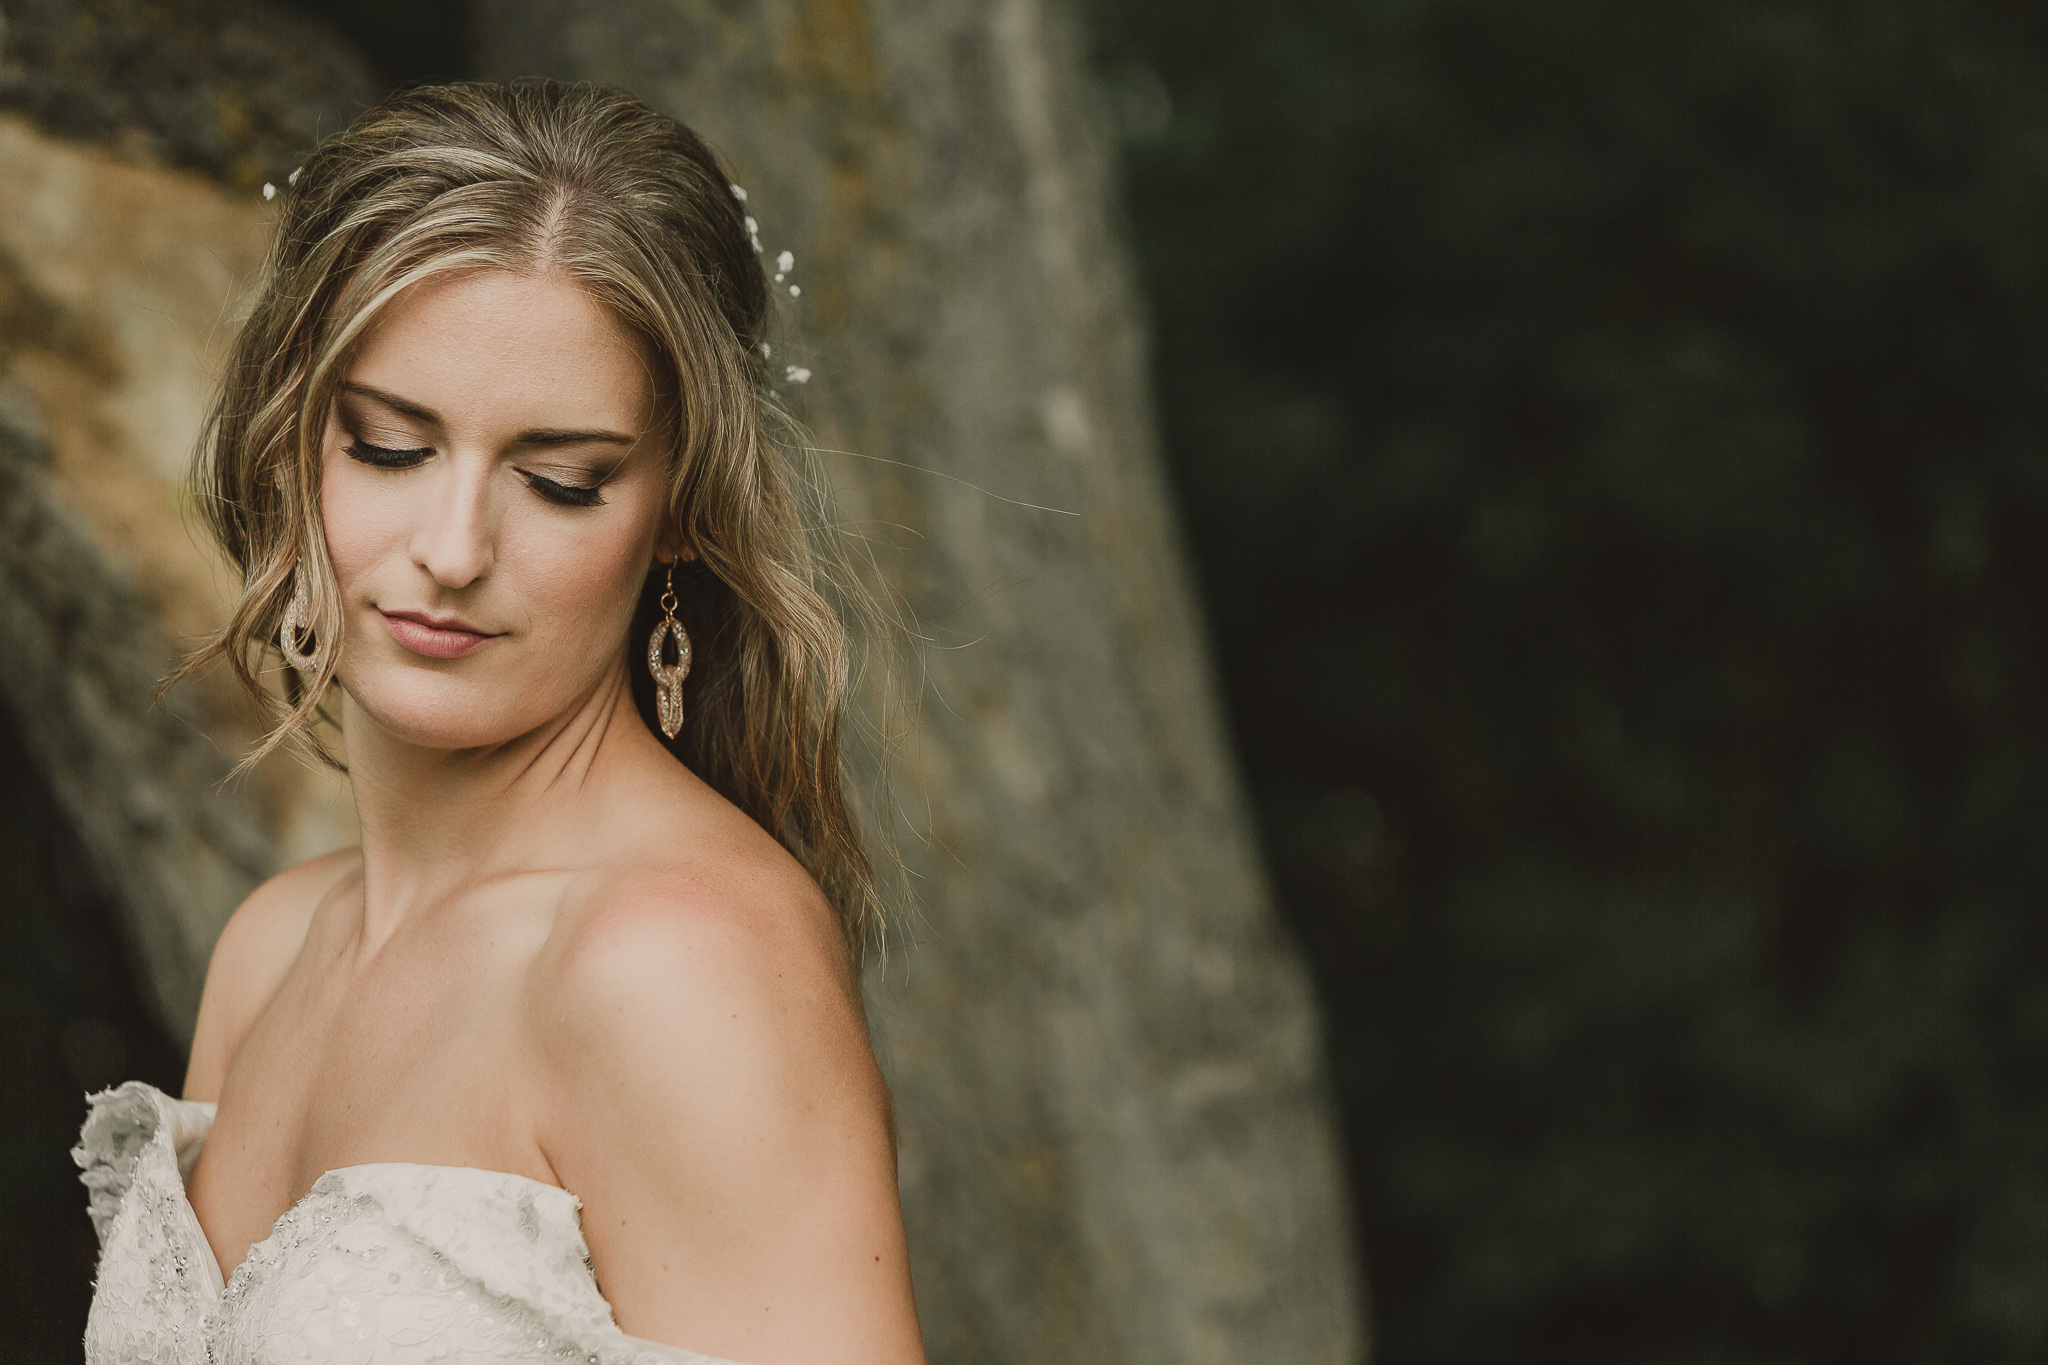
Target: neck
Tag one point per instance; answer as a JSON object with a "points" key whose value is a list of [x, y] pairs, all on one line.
{"points": [[434, 821]]}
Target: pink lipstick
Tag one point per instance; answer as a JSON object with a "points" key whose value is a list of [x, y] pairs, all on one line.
{"points": [[446, 638]]}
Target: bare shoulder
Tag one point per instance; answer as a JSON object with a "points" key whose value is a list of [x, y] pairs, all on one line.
{"points": [[734, 950], [717, 1107], [255, 950]]}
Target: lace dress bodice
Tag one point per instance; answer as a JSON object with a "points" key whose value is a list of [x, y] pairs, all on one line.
{"points": [[389, 1264]]}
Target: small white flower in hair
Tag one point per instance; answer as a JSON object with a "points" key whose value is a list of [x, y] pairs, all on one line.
{"points": [[765, 352], [786, 261], [738, 193], [269, 191], [293, 178], [797, 374], [795, 290]]}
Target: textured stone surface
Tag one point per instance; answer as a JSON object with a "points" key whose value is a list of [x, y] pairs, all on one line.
{"points": [[1116, 1144], [118, 281], [1116, 1141], [232, 87], [84, 651]]}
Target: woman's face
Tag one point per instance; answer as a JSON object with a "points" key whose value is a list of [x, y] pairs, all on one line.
{"points": [[492, 489]]}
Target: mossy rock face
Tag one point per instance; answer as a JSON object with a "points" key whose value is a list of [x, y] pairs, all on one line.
{"points": [[1115, 1145], [235, 89]]}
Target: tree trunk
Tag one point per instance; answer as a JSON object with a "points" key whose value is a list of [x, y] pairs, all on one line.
{"points": [[1116, 1141]]}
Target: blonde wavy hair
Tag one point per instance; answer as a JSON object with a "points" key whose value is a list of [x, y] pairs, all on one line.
{"points": [[592, 183]]}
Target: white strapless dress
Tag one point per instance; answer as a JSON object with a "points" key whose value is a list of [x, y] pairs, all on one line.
{"points": [[391, 1264]]}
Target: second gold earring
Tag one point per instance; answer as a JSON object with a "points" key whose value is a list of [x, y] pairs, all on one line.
{"points": [[668, 677]]}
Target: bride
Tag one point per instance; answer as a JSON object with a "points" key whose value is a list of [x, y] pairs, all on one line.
{"points": [[567, 1060]]}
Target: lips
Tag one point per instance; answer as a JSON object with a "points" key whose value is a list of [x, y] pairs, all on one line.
{"points": [[448, 638]]}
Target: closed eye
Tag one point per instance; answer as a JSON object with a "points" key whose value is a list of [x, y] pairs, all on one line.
{"points": [[568, 494], [383, 457]]}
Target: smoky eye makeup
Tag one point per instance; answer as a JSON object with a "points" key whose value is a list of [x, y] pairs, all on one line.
{"points": [[393, 451], [567, 494], [574, 485], [565, 487], [555, 490], [385, 457]]}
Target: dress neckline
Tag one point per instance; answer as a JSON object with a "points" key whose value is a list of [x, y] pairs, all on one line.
{"points": [[434, 1166], [220, 1279], [362, 1167], [116, 1150]]}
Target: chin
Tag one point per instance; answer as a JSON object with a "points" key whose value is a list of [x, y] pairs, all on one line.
{"points": [[439, 713], [434, 709]]}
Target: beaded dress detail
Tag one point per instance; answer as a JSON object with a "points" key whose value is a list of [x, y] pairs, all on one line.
{"points": [[387, 1264]]}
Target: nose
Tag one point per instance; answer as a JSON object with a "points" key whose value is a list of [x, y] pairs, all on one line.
{"points": [[452, 537]]}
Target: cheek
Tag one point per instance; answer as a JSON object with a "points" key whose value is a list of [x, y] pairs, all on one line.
{"points": [[580, 583], [574, 579], [361, 521]]}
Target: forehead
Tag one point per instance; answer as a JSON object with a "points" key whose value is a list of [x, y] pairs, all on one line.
{"points": [[496, 348]]}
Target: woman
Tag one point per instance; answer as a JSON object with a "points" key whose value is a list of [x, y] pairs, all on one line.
{"points": [[498, 436]]}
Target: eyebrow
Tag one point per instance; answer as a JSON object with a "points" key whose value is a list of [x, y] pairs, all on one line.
{"points": [[534, 436]]}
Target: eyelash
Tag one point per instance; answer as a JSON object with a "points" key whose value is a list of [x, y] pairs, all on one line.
{"points": [[562, 494], [383, 457], [568, 495]]}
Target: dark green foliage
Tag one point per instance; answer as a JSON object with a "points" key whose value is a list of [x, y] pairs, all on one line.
{"points": [[1615, 439]]}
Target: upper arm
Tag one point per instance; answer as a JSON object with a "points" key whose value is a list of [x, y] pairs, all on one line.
{"points": [[717, 1109], [249, 962]]}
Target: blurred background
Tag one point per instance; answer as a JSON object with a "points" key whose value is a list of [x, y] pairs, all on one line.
{"points": [[1612, 444], [1612, 438]]}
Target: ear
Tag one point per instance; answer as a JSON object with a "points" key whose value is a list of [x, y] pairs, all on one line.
{"points": [[670, 547]]}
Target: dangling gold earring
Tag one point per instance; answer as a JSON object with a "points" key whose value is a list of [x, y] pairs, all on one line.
{"points": [[298, 616], [668, 678]]}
